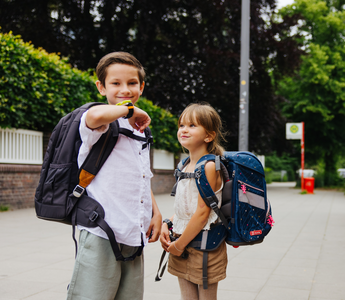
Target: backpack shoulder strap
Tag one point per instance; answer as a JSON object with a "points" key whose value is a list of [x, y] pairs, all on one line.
{"points": [[96, 158], [181, 175], [204, 187], [100, 152]]}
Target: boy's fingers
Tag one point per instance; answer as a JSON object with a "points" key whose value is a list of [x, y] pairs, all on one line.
{"points": [[154, 237]]}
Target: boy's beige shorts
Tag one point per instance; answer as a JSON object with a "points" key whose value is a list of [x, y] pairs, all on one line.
{"points": [[97, 274], [191, 268]]}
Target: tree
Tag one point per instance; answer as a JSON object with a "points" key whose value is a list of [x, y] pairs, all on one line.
{"points": [[315, 93], [190, 49]]}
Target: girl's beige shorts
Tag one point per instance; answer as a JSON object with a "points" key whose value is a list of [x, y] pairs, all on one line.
{"points": [[191, 268]]}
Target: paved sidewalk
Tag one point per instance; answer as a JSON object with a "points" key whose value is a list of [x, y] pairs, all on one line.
{"points": [[302, 258]]}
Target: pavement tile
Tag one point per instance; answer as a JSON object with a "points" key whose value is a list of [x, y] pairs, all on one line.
{"points": [[279, 293], [302, 257]]}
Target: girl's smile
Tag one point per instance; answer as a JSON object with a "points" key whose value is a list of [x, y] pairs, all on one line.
{"points": [[191, 135]]}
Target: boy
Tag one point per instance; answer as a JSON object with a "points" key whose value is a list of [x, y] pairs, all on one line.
{"points": [[122, 187]]}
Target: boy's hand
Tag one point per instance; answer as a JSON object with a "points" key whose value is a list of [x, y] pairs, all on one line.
{"points": [[155, 228], [140, 119]]}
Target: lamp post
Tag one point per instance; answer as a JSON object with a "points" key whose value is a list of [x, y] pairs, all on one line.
{"points": [[244, 78]]}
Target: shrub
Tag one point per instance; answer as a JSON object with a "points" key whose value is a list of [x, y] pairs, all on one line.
{"points": [[284, 162], [37, 88], [268, 175], [163, 126]]}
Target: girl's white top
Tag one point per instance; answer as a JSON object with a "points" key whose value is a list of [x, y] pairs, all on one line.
{"points": [[186, 201], [122, 186]]}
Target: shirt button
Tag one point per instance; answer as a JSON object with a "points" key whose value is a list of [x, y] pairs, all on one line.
{"points": [[142, 201], [143, 175], [139, 152], [141, 225]]}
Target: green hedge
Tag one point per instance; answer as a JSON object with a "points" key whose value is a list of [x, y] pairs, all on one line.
{"points": [[163, 126], [284, 162], [37, 89]]}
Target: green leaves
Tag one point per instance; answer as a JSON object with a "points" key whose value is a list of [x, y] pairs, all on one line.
{"points": [[315, 93], [163, 126], [37, 88]]}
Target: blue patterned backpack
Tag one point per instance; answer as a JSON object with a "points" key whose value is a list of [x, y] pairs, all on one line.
{"points": [[245, 216]]}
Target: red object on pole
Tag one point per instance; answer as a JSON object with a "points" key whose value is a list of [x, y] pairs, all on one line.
{"points": [[302, 158]]}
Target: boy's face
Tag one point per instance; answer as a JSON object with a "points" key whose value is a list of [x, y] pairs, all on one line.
{"points": [[122, 83]]}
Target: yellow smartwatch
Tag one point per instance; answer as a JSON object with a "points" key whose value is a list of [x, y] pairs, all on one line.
{"points": [[130, 106]]}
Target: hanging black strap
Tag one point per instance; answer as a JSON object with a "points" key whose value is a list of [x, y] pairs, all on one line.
{"points": [[204, 270], [160, 275], [73, 235], [89, 213], [114, 245]]}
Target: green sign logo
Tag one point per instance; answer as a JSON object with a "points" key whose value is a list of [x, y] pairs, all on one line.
{"points": [[294, 128]]}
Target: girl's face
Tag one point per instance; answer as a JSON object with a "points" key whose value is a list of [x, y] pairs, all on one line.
{"points": [[191, 135]]}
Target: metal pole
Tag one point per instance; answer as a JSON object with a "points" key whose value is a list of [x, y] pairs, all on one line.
{"points": [[244, 78], [302, 158]]}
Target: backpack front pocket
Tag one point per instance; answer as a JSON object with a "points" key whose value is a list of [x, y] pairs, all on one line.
{"points": [[57, 183], [252, 212]]}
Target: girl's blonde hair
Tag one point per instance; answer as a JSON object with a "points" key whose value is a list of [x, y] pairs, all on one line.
{"points": [[205, 115]]}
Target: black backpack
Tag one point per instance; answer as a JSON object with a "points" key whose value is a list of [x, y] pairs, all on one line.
{"points": [[60, 195]]}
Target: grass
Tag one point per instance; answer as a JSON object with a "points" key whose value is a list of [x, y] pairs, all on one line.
{"points": [[4, 208]]}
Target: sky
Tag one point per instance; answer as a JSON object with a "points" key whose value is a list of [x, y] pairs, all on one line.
{"points": [[282, 3]]}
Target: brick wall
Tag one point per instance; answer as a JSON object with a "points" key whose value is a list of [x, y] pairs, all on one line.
{"points": [[18, 182], [162, 182], [18, 185]]}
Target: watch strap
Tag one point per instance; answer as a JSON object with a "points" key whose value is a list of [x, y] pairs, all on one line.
{"points": [[169, 223], [130, 106]]}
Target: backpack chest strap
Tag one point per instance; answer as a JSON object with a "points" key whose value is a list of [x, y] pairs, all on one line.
{"points": [[181, 175], [148, 140]]}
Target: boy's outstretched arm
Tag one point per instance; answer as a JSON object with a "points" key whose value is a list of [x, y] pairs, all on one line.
{"points": [[156, 222], [101, 115]]}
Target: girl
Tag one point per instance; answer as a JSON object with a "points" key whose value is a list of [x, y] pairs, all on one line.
{"points": [[200, 133]]}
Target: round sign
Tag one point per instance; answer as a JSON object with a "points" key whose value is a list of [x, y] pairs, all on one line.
{"points": [[294, 129]]}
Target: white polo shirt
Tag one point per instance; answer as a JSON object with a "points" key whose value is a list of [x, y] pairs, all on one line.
{"points": [[122, 186]]}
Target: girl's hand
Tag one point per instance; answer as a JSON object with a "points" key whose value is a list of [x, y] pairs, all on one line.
{"points": [[175, 250], [164, 237], [140, 119]]}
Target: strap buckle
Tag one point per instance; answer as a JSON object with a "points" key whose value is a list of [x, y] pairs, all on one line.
{"points": [[78, 191], [213, 205], [93, 216]]}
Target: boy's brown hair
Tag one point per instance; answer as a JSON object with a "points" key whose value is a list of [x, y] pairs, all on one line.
{"points": [[118, 58]]}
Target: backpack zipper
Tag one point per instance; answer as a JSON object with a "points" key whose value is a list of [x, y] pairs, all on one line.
{"points": [[253, 187], [268, 204]]}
